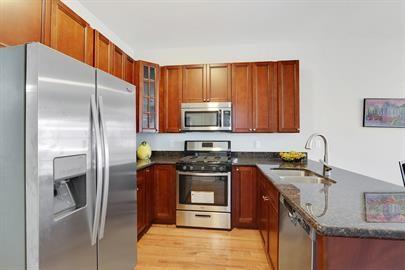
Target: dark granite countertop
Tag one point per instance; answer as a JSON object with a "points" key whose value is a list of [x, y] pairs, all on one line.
{"points": [[345, 215]]}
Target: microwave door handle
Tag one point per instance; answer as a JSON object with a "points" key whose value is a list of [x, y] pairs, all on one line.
{"points": [[99, 170], [221, 119]]}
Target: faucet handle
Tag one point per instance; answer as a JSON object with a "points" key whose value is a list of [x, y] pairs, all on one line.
{"points": [[325, 164]]}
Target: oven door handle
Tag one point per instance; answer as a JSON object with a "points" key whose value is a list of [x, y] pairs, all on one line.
{"points": [[203, 174]]}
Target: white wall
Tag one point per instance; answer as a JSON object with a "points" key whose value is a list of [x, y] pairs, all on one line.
{"points": [[340, 64]]}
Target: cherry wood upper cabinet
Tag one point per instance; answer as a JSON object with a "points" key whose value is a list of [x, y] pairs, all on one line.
{"points": [[102, 52], [244, 194], [69, 33], [242, 97], [118, 62], [129, 69], [288, 96], [20, 22], [264, 86], [218, 83], [147, 78], [194, 83], [170, 98], [164, 194]]}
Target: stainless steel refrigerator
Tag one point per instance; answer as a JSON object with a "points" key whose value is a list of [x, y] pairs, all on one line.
{"points": [[67, 164]]}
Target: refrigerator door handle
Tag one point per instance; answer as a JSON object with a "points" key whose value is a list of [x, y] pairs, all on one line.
{"points": [[99, 172], [106, 169]]}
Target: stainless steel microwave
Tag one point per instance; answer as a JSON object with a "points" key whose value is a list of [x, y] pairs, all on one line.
{"points": [[207, 116]]}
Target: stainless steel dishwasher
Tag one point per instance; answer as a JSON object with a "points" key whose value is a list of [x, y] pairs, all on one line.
{"points": [[296, 240]]}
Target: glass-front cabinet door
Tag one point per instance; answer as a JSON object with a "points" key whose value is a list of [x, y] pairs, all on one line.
{"points": [[148, 85]]}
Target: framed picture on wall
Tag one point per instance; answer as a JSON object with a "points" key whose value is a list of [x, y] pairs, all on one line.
{"points": [[384, 112]]}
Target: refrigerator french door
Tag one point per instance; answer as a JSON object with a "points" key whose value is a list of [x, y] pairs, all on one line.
{"points": [[117, 237], [69, 196]]}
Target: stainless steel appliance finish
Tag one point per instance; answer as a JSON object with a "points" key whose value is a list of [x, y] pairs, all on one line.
{"points": [[203, 219], [207, 116], [117, 240], [207, 179], [296, 240], [69, 151], [203, 185]]}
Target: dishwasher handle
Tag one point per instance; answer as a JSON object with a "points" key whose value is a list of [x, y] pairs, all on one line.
{"points": [[296, 218]]}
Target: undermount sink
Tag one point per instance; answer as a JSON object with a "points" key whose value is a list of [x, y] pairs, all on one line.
{"points": [[301, 176]]}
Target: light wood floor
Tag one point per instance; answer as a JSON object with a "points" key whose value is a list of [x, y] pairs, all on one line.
{"points": [[168, 247]]}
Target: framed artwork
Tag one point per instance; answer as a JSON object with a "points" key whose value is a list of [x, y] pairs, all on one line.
{"points": [[384, 112], [386, 207]]}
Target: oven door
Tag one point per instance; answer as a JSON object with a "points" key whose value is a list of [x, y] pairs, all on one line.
{"points": [[204, 191], [201, 119]]}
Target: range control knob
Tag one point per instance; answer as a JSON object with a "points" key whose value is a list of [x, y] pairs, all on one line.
{"points": [[214, 168], [221, 168], [184, 167], [191, 168]]}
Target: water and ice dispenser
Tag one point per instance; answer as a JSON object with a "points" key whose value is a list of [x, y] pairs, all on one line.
{"points": [[69, 189]]}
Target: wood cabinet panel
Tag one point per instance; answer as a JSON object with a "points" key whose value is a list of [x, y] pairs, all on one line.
{"points": [[194, 83], [219, 83], [336, 253], [118, 60], [141, 202], [164, 194], [171, 95], [265, 110], [129, 69], [288, 96], [69, 33], [244, 194], [263, 211], [273, 230], [20, 22], [149, 176], [103, 52], [242, 97]]}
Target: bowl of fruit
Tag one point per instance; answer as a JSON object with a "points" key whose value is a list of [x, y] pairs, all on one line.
{"points": [[292, 156]]}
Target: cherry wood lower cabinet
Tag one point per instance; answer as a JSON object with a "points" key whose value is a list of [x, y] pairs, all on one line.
{"points": [[144, 200], [268, 218], [164, 194], [337, 253], [244, 194]]}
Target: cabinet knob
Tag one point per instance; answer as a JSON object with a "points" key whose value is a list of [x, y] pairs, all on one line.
{"points": [[237, 169], [179, 129], [208, 99], [265, 198], [137, 189], [147, 170], [254, 129], [250, 129]]}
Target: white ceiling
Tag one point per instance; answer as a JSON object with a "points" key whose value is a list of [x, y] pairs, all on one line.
{"points": [[151, 25]]}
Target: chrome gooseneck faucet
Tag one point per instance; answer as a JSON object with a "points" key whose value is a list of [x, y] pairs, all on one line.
{"points": [[326, 168]]}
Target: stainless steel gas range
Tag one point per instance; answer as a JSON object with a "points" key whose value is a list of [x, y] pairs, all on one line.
{"points": [[203, 191]]}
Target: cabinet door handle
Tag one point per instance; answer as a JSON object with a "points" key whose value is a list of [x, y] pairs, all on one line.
{"points": [[265, 198], [137, 189], [202, 216]]}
